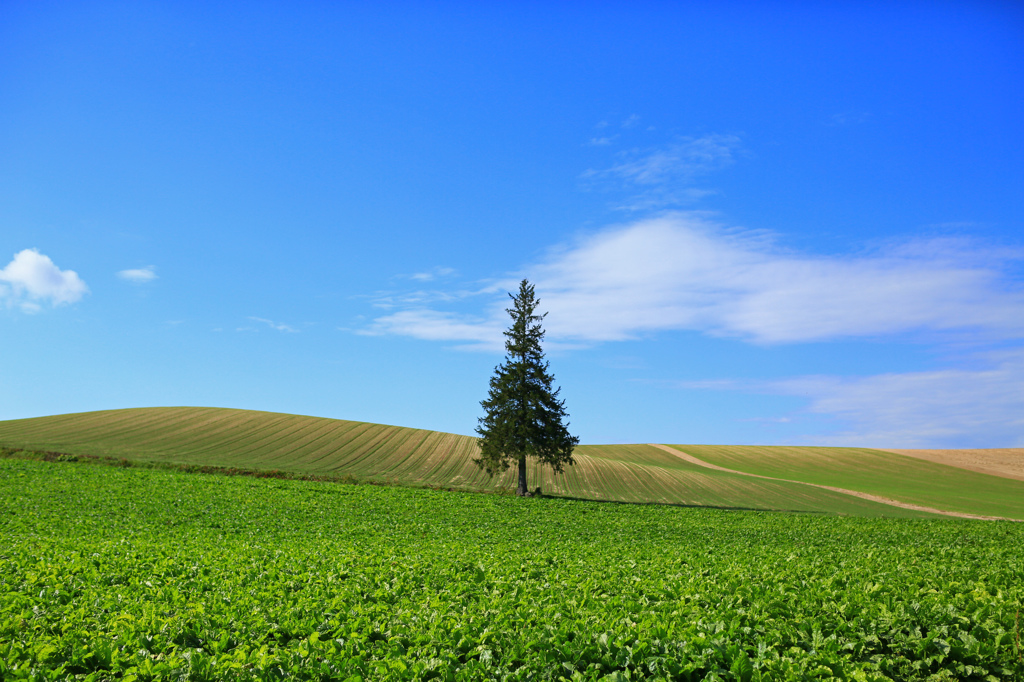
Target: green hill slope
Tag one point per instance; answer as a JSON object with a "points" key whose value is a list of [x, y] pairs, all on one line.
{"points": [[380, 453], [642, 473], [876, 472]]}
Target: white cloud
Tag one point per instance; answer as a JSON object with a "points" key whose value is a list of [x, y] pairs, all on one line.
{"points": [[270, 323], [139, 275], [684, 272], [432, 325], [969, 408], [32, 278], [972, 407]]}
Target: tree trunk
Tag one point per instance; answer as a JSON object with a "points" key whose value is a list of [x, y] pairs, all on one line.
{"points": [[522, 490]]}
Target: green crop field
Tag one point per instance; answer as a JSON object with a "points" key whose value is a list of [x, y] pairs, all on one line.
{"points": [[374, 452], [144, 574]]}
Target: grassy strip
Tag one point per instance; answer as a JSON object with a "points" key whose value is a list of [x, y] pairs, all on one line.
{"points": [[48, 456], [346, 479]]}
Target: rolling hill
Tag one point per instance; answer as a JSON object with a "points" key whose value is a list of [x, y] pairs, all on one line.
{"points": [[246, 439]]}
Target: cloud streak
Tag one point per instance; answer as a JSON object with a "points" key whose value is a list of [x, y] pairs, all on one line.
{"points": [[966, 408], [681, 161], [471, 333], [663, 176], [974, 407], [138, 275], [273, 325], [32, 279], [432, 274]]}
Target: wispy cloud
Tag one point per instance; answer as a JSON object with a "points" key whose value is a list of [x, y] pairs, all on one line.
{"points": [[470, 333], [631, 121], [680, 161], [31, 279], [684, 272], [980, 405], [968, 408], [432, 274], [270, 323], [138, 275], [390, 300], [660, 177]]}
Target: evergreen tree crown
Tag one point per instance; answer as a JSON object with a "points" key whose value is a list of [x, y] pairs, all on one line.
{"points": [[523, 415]]}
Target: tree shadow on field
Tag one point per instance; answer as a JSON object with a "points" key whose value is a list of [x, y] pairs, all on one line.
{"points": [[684, 505]]}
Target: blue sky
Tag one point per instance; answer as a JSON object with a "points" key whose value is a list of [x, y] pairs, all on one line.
{"points": [[780, 223]]}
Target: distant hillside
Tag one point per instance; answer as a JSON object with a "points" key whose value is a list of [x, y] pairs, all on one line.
{"points": [[379, 453], [877, 472]]}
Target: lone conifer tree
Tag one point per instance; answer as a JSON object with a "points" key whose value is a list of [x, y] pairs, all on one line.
{"points": [[524, 416]]}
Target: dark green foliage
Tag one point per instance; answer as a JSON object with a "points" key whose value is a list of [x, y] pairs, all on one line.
{"points": [[523, 415], [145, 574]]}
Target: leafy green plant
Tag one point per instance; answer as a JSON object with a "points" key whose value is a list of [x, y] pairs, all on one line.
{"points": [[146, 574]]}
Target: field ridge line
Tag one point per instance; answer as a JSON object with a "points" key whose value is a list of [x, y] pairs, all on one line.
{"points": [[855, 493]]}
